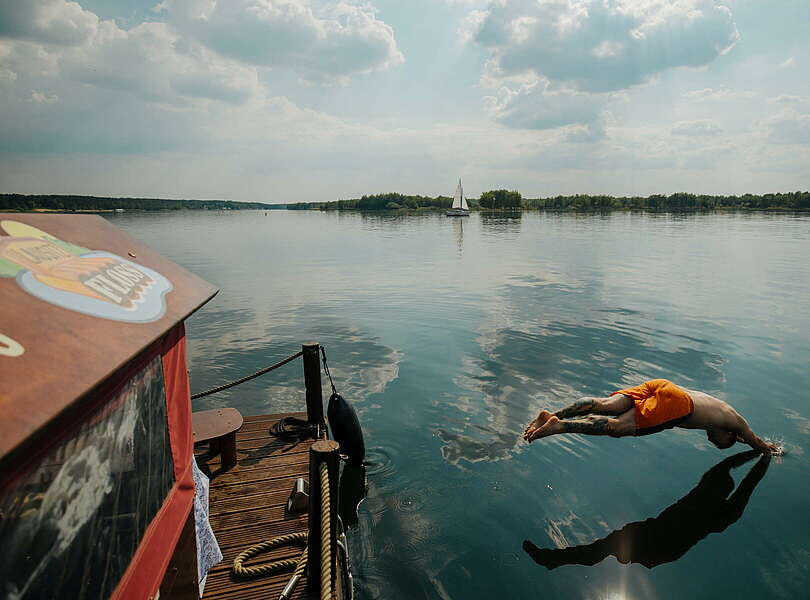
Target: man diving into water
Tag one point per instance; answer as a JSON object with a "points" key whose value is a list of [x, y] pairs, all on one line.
{"points": [[649, 408]]}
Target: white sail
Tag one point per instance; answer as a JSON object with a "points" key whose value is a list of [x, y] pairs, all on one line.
{"points": [[458, 199]]}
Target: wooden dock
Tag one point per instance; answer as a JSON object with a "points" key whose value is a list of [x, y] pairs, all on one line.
{"points": [[248, 506]]}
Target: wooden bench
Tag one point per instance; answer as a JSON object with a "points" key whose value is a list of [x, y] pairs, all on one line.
{"points": [[218, 427]]}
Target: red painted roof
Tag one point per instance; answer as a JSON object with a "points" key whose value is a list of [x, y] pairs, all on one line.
{"points": [[79, 298]]}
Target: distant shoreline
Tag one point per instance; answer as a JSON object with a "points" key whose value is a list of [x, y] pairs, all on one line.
{"points": [[495, 201], [95, 204], [511, 201]]}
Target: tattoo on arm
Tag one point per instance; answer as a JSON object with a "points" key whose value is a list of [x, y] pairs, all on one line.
{"points": [[592, 426], [581, 407]]}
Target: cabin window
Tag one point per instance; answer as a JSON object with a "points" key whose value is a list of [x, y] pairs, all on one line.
{"points": [[71, 525]]}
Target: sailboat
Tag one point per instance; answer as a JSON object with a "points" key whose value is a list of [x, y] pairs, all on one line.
{"points": [[459, 208]]}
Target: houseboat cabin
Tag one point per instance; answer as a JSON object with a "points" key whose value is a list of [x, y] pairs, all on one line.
{"points": [[96, 448]]}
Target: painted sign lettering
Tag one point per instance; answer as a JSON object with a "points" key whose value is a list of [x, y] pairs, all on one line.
{"points": [[10, 347], [95, 283]]}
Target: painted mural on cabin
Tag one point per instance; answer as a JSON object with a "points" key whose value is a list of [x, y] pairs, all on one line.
{"points": [[92, 282]]}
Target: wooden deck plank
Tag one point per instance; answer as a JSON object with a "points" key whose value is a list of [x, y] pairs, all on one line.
{"points": [[254, 469], [247, 505]]}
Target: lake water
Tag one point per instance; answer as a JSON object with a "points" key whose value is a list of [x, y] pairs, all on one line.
{"points": [[448, 335]]}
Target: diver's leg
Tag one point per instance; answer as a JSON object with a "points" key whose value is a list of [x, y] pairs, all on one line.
{"points": [[623, 425], [613, 405], [583, 406]]}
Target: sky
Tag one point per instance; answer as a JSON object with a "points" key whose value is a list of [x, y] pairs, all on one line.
{"points": [[312, 100]]}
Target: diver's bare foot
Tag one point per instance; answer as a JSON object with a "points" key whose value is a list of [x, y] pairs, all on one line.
{"points": [[538, 422], [550, 427]]}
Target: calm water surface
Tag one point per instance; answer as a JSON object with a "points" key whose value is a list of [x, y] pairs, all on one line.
{"points": [[448, 335]]}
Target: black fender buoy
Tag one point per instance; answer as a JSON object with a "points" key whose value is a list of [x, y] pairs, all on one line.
{"points": [[346, 428], [351, 492]]}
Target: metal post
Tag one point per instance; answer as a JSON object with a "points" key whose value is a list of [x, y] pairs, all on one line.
{"points": [[322, 451], [312, 382]]}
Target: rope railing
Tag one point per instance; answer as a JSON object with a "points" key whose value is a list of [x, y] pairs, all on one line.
{"points": [[248, 377]]}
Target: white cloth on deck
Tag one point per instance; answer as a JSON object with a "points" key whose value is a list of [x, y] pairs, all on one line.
{"points": [[208, 552]]}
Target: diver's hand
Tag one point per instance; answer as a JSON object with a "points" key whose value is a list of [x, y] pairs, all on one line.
{"points": [[765, 446], [770, 448]]}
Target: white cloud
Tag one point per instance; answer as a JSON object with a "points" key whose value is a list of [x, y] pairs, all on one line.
{"points": [[43, 98], [144, 89], [789, 63], [331, 44], [152, 61], [786, 99], [537, 106], [592, 132], [7, 74], [561, 62], [621, 153], [47, 21], [718, 94], [603, 45], [697, 128], [800, 104], [470, 24], [183, 60], [789, 127]]}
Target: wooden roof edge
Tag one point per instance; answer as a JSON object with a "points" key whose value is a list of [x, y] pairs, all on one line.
{"points": [[71, 352]]}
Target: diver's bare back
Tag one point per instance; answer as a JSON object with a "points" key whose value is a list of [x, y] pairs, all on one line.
{"points": [[710, 413]]}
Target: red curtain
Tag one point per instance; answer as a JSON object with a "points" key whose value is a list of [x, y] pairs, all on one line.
{"points": [[143, 577]]}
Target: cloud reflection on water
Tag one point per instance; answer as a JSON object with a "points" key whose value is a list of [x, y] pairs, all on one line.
{"points": [[361, 366], [548, 362]]}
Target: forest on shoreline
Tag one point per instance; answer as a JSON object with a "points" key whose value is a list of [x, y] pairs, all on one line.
{"points": [[500, 200], [512, 200], [22, 202]]}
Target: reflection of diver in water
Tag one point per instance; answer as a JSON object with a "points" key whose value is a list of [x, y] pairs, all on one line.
{"points": [[706, 509]]}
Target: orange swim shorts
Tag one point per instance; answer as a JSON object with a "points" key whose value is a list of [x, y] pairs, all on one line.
{"points": [[660, 404]]}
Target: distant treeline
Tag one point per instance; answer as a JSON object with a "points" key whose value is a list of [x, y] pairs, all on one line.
{"points": [[390, 201], [679, 201], [90, 203], [492, 200], [512, 200]]}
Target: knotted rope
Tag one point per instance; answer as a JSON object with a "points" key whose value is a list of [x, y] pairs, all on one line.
{"points": [[326, 534], [272, 567], [299, 564]]}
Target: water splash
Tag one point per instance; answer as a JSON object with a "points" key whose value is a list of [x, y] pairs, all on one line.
{"points": [[779, 442]]}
